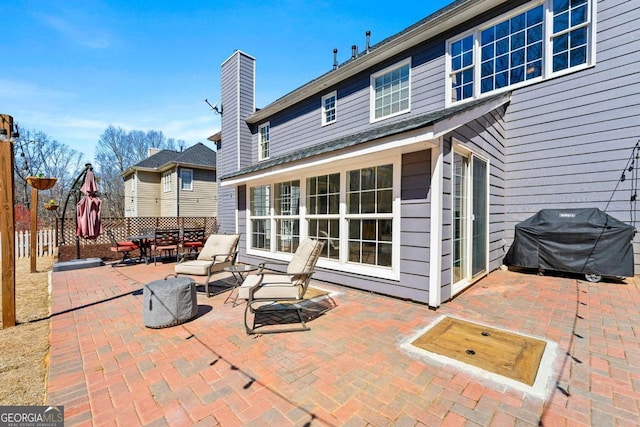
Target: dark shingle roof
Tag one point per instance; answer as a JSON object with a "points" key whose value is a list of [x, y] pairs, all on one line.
{"points": [[196, 155], [368, 135], [158, 159]]}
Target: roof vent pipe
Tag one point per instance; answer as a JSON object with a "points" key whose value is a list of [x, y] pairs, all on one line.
{"points": [[335, 59], [368, 34], [354, 51]]}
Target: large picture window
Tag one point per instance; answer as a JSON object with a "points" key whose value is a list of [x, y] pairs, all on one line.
{"points": [[511, 51], [520, 48]]}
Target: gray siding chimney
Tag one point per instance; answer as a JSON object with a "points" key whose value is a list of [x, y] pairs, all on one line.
{"points": [[238, 102]]}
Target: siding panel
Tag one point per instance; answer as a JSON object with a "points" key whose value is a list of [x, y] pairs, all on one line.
{"points": [[571, 137]]}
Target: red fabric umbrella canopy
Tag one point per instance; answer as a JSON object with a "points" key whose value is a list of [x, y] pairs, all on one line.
{"points": [[88, 209]]}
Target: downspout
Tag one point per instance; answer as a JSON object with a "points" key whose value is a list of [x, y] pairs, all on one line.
{"points": [[435, 259], [178, 185]]}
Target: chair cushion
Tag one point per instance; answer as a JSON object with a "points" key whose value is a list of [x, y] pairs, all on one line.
{"points": [[199, 267], [218, 244], [193, 244], [274, 286], [305, 257], [124, 248]]}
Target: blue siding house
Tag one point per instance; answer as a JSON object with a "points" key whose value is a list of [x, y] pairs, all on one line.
{"points": [[414, 159]]}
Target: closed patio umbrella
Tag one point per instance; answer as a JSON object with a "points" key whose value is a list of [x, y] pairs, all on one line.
{"points": [[88, 209]]}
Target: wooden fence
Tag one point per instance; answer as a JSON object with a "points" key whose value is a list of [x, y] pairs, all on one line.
{"points": [[45, 243], [122, 228]]}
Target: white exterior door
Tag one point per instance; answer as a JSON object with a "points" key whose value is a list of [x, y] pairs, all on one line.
{"points": [[470, 219]]}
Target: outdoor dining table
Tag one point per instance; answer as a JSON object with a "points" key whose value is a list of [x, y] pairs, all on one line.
{"points": [[144, 243]]}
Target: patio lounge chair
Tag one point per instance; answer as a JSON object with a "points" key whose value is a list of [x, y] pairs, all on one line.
{"points": [[274, 291], [218, 252], [124, 247]]}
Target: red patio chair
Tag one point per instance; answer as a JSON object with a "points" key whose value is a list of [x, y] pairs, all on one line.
{"points": [[165, 243], [124, 247]]}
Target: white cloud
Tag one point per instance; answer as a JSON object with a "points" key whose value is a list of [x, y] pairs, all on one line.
{"points": [[88, 37], [16, 90]]}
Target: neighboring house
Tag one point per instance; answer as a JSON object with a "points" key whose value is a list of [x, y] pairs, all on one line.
{"points": [[172, 183], [415, 159]]}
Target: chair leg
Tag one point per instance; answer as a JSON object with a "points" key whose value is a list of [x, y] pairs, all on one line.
{"points": [[125, 256], [206, 285], [252, 330]]}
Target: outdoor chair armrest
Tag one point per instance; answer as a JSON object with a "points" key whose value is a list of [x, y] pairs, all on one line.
{"points": [[260, 283], [284, 273], [230, 255], [264, 264]]}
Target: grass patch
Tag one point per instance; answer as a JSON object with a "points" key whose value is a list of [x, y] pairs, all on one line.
{"points": [[25, 347]]}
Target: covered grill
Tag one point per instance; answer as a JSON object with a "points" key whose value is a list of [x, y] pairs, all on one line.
{"points": [[586, 241]]}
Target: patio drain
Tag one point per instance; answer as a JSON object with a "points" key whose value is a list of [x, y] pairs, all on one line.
{"points": [[504, 353]]}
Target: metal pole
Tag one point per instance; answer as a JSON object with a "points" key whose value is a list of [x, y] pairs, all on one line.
{"points": [[7, 225], [64, 210], [34, 228]]}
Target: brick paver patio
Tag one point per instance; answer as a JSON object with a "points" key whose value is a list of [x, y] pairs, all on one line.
{"points": [[351, 369]]}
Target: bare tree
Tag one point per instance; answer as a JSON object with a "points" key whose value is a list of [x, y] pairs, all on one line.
{"points": [[117, 151], [37, 154]]}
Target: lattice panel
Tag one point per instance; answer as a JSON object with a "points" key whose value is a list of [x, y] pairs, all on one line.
{"points": [[122, 228]]}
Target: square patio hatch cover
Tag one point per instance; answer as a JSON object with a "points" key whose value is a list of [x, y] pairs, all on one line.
{"points": [[504, 353]]}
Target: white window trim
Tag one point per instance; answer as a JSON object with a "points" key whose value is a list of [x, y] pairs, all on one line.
{"points": [[342, 265], [250, 218], [323, 111], [546, 54], [260, 142], [372, 94], [182, 172], [166, 182]]}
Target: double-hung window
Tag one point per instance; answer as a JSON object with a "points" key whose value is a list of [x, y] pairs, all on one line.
{"points": [[571, 33], [535, 42], [166, 182], [323, 212], [351, 209], [263, 141], [370, 215], [329, 108], [186, 179], [287, 215], [390, 91], [260, 217]]}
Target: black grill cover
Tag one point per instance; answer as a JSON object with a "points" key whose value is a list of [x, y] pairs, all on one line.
{"points": [[575, 241]]}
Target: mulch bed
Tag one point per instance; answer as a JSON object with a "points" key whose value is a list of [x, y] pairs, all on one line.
{"points": [[69, 252]]}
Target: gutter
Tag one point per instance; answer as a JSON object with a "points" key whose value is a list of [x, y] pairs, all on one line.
{"points": [[430, 27]]}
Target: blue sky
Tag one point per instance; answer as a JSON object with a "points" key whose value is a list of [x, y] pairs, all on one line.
{"points": [[72, 68]]}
